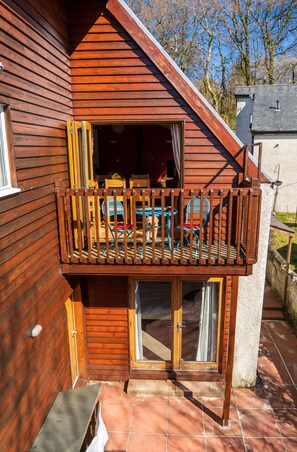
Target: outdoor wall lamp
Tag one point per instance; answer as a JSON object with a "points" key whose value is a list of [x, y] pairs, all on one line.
{"points": [[35, 331]]}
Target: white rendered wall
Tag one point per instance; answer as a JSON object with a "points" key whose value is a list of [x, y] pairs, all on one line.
{"points": [[244, 109], [280, 160], [250, 302]]}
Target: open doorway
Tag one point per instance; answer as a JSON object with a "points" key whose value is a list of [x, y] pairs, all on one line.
{"points": [[150, 149]]}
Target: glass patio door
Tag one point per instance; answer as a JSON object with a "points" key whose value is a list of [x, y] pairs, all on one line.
{"points": [[153, 326], [175, 324]]}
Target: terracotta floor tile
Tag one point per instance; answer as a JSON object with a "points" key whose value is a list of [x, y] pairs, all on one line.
{"points": [[213, 427], [258, 423], [113, 392], [251, 398], [117, 416], [280, 396], [273, 356], [147, 443], [288, 354], [184, 418], [264, 445], [215, 402], [150, 418], [291, 444], [224, 444], [151, 400], [117, 442], [292, 369], [275, 374], [185, 443], [287, 421], [277, 327]]}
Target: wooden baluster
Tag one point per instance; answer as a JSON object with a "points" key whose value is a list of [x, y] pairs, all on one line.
{"points": [[106, 219], [172, 228], [210, 228], [259, 200], [125, 226], [229, 225], [153, 234], [79, 229], [192, 261], [69, 225], [115, 228], [143, 226], [239, 225], [182, 220], [133, 220], [88, 225], [61, 224], [97, 225], [163, 226], [220, 260], [201, 232]]}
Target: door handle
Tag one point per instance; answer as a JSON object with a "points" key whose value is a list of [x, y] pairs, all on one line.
{"points": [[180, 325]]}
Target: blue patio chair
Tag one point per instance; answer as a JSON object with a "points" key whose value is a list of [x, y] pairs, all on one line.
{"points": [[193, 208], [116, 209]]}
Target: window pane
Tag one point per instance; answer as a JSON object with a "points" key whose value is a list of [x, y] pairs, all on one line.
{"points": [[153, 320], [200, 321], [3, 162]]}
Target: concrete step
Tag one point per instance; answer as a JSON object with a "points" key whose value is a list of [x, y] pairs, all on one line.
{"points": [[170, 388], [272, 314]]}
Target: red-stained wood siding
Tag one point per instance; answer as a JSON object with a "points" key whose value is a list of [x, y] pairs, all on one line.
{"points": [[107, 328], [36, 85], [112, 78]]}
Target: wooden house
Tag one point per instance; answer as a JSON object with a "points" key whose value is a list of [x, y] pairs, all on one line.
{"points": [[130, 281]]}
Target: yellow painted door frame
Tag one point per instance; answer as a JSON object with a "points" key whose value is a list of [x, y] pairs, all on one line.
{"points": [[176, 362], [72, 341]]}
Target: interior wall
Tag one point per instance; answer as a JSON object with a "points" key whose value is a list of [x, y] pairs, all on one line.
{"points": [[133, 149]]}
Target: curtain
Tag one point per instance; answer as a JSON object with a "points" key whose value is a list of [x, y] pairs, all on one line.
{"points": [[176, 145], [207, 340], [138, 329]]}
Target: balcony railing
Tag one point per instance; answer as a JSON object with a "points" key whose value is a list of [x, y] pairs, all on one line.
{"points": [[155, 226]]}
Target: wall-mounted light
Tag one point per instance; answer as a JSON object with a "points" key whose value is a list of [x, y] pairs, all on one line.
{"points": [[35, 331], [1, 67]]}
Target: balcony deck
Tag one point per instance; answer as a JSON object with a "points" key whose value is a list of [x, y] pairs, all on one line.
{"points": [[228, 239]]}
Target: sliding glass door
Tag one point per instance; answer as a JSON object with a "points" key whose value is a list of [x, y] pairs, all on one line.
{"points": [[175, 323]]}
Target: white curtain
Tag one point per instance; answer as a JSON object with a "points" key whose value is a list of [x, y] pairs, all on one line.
{"points": [[176, 145], [138, 329], [207, 340]]}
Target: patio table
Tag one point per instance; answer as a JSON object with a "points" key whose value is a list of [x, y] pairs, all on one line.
{"points": [[167, 212]]}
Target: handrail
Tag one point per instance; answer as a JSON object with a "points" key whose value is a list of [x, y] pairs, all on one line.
{"points": [[158, 236]]}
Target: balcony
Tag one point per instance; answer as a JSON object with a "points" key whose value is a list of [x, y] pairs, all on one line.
{"points": [[159, 227], [135, 234]]}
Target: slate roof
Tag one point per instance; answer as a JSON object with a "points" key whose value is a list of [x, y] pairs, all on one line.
{"points": [[275, 107]]}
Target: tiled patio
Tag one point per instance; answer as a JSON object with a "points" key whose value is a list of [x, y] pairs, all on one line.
{"points": [[262, 419]]}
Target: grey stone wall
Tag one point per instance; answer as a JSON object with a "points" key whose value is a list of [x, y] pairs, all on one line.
{"points": [[276, 276]]}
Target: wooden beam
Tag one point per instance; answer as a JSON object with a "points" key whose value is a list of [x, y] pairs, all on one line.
{"points": [[134, 270], [231, 343]]}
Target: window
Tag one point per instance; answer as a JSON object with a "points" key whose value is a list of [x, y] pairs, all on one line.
{"points": [[7, 167]]}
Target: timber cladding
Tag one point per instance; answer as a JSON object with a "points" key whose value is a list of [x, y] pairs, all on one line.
{"points": [[112, 79], [107, 328], [35, 84]]}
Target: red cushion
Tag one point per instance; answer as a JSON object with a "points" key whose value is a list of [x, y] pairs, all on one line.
{"points": [[188, 226], [121, 226]]}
